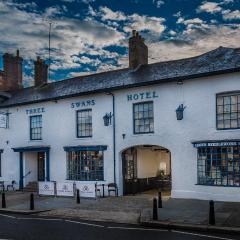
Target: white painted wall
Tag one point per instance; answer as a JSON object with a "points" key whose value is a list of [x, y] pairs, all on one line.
{"points": [[148, 162], [199, 123]]}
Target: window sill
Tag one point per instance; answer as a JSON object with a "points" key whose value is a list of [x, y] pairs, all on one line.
{"points": [[143, 134], [228, 129], [35, 140], [84, 138], [210, 185]]}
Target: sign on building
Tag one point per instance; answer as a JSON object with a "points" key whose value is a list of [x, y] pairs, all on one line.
{"points": [[65, 189], [46, 188], [3, 120], [86, 190]]}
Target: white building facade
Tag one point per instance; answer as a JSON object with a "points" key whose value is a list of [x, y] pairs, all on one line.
{"points": [[56, 132]]}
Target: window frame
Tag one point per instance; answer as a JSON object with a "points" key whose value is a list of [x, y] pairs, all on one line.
{"points": [[223, 94], [77, 132], [223, 169], [134, 128], [30, 126], [77, 166]]}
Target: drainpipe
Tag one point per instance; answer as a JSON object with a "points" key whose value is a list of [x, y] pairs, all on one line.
{"points": [[114, 135]]}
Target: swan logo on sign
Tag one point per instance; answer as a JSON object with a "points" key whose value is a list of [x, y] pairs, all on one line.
{"points": [[65, 189], [46, 188], [85, 188]]}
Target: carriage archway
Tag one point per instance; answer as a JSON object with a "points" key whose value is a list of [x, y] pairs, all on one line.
{"points": [[145, 168]]}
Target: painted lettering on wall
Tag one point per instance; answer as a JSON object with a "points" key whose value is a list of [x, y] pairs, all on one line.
{"points": [[35, 110], [216, 144], [142, 96], [86, 103]]}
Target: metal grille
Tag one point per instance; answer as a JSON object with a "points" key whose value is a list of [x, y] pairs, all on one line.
{"points": [[219, 166], [36, 127], [84, 123], [143, 117], [85, 165], [130, 164], [228, 111]]}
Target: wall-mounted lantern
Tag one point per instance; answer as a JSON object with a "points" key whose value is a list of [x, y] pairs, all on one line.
{"points": [[179, 112], [107, 119]]}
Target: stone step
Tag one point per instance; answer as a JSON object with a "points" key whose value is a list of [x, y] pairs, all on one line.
{"points": [[31, 187], [28, 189]]}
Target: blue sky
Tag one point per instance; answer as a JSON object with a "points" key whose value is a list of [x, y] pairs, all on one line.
{"points": [[92, 35]]}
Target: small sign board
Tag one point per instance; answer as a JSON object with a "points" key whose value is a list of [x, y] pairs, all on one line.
{"points": [[86, 190], [65, 189], [46, 188], [3, 120]]}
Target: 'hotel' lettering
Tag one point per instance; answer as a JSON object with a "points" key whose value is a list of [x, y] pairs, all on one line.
{"points": [[141, 96]]}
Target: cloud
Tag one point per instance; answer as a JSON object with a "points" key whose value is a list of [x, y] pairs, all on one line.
{"points": [[87, 43], [231, 15], [195, 41], [153, 25], [210, 7], [88, 1], [178, 14], [158, 3], [227, 1], [108, 14], [28, 31]]}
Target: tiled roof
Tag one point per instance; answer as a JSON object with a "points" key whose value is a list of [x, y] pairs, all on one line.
{"points": [[218, 61]]}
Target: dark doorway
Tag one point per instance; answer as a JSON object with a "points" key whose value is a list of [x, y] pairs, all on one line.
{"points": [[41, 166], [146, 168], [130, 171]]}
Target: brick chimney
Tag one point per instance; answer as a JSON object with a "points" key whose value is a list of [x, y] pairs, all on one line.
{"points": [[12, 72], [40, 72], [138, 51]]}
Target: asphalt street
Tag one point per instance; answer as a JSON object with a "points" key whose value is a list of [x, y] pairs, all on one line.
{"points": [[29, 227]]}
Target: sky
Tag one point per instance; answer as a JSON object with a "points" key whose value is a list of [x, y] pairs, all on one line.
{"points": [[91, 36]]}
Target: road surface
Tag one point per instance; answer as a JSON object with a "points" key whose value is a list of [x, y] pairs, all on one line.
{"points": [[31, 227]]}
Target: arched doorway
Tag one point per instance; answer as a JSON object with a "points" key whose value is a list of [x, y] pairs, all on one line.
{"points": [[145, 168]]}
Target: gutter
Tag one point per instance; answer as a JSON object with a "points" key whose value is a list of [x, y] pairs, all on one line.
{"points": [[114, 136]]}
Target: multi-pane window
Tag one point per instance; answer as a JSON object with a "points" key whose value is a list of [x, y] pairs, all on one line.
{"points": [[85, 165], [36, 127], [84, 123], [228, 111], [143, 117], [219, 166], [130, 164]]}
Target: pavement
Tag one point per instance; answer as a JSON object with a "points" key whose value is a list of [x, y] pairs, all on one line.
{"points": [[175, 214]]}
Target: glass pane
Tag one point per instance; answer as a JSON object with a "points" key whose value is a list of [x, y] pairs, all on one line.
{"points": [[227, 108], [220, 109], [234, 123], [233, 99], [219, 100], [227, 100]]}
